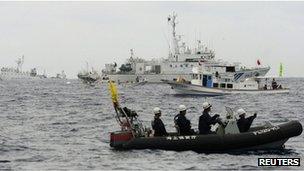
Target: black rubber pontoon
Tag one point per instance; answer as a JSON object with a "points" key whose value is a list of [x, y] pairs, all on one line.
{"points": [[265, 137]]}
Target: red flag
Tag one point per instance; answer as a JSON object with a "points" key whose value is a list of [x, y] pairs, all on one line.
{"points": [[258, 62]]}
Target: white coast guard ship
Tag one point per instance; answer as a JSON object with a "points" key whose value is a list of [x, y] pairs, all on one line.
{"points": [[179, 63], [8, 73]]}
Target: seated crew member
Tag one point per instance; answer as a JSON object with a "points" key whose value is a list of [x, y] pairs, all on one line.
{"points": [[265, 87], [244, 123], [205, 120], [137, 79], [157, 124], [183, 124], [274, 84]]}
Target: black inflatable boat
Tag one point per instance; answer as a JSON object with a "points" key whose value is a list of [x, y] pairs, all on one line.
{"points": [[263, 137], [136, 136]]}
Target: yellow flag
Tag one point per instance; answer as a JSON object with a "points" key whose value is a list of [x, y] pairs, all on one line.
{"points": [[113, 92]]}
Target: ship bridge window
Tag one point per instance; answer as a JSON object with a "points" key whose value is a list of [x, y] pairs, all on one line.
{"points": [[181, 65], [157, 69], [223, 85], [229, 85], [195, 76], [215, 85], [191, 60], [230, 69], [171, 65], [227, 80]]}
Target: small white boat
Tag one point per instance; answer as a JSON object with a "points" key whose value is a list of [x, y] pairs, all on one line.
{"points": [[210, 81], [190, 89]]}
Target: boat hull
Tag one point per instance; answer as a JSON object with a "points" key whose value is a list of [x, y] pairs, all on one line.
{"points": [[272, 137], [17, 76], [150, 78], [190, 89], [88, 78]]}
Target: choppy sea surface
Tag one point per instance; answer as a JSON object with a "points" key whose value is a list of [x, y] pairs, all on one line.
{"points": [[49, 124]]}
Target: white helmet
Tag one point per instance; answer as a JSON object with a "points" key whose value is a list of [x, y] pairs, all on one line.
{"points": [[240, 111], [182, 108], [156, 110], [206, 105]]}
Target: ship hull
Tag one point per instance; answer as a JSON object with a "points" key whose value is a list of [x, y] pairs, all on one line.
{"points": [[13, 76], [157, 78], [151, 78]]}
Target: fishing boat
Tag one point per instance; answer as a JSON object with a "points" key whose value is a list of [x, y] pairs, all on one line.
{"points": [[212, 79], [133, 135], [88, 76], [191, 89]]}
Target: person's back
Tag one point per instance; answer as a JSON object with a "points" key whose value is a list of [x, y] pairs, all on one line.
{"points": [[157, 124], [205, 120], [274, 84], [265, 87], [183, 124], [159, 127], [203, 123]]}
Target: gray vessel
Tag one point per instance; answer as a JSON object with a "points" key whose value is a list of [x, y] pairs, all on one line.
{"points": [[8, 73]]}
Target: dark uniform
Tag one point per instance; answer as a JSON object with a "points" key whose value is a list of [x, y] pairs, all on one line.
{"points": [[184, 125], [159, 127], [245, 123], [205, 122], [274, 84]]}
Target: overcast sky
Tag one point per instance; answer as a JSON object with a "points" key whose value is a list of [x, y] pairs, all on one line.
{"points": [[55, 36]]}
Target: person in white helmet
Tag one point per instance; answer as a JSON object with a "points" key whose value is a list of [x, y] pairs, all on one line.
{"points": [[205, 120], [183, 124], [244, 123], [157, 124]]}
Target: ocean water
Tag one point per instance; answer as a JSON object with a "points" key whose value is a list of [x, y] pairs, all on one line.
{"points": [[49, 124]]}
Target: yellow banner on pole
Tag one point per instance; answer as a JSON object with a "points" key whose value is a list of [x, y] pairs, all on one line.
{"points": [[113, 92]]}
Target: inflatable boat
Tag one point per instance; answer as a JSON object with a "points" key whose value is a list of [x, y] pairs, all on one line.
{"points": [[134, 135], [257, 138]]}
